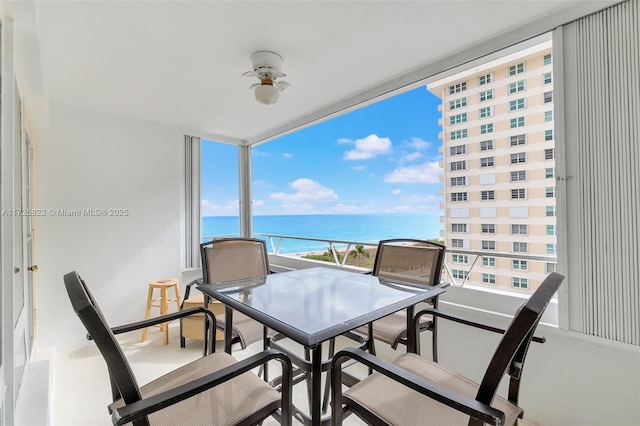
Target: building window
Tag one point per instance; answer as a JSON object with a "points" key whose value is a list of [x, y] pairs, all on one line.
{"points": [[517, 140], [549, 154], [551, 210], [459, 181], [486, 95], [551, 249], [518, 175], [458, 134], [516, 69], [516, 87], [520, 157], [458, 227], [517, 122], [519, 265], [459, 274], [487, 195], [547, 97], [517, 104], [518, 194], [519, 229], [486, 145], [458, 149], [548, 116], [486, 128], [548, 135], [456, 88], [550, 192], [458, 103], [547, 78], [519, 282], [458, 118], [489, 262], [488, 278], [457, 243], [550, 267], [484, 79], [551, 229], [458, 165], [460, 258], [520, 247], [488, 228], [458, 196], [547, 59], [549, 172], [486, 112], [488, 245], [486, 162]]}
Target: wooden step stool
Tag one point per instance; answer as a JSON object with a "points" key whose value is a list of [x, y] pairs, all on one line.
{"points": [[163, 285]]}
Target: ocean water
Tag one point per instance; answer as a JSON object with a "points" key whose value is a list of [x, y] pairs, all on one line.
{"points": [[366, 228]]}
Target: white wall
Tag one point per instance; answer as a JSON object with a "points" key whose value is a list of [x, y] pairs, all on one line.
{"points": [[88, 160]]}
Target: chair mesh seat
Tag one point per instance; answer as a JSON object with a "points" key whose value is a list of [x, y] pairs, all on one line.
{"points": [[244, 327], [399, 405], [391, 327], [226, 404]]}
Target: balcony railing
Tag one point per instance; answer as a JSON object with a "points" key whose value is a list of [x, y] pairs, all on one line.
{"points": [[275, 242]]}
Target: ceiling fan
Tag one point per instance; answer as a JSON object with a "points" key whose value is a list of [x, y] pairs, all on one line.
{"points": [[266, 66]]}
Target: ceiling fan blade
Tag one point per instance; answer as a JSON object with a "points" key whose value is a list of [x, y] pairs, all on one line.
{"points": [[277, 73], [253, 86], [249, 74], [281, 85]]}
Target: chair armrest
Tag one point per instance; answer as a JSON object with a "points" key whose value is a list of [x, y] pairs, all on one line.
{"points": [[187, 289], [139, 409], [164, 318], [469, 406], [465, 321]]}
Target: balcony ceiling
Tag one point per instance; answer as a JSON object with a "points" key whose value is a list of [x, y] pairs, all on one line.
{"points": [[180, 62]]}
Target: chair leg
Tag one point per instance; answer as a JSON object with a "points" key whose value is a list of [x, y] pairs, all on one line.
{"points": [[164, 310]]}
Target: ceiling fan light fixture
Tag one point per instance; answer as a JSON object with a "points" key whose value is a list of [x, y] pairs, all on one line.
{"points": [[267, 94]]}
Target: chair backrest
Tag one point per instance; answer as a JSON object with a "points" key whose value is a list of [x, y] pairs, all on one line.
{"points": [[415, 261], [123, 381], [512, 350], [227, 259]]}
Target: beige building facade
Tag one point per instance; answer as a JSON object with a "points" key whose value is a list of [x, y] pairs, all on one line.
{"points": [[498, 152]]}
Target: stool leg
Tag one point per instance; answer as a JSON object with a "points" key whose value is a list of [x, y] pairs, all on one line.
{"points": [[147, 313], [176, 288], [164, 308]]}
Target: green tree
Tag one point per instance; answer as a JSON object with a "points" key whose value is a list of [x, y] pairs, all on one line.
{"points": [[359, 253]]}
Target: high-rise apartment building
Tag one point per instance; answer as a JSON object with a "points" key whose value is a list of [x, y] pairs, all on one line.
{"points": [[499, 170]]}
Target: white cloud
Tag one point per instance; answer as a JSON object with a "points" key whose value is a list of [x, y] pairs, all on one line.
{"points": [[287, 155], [369, 147], [358, 168], [403, 209], [258, 203], [422, 173], [411, 157], [396, 192], [209, 208], [418, 143], [306, 190]]}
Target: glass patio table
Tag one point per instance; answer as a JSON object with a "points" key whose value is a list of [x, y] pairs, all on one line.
{"points": [[311, 306]]}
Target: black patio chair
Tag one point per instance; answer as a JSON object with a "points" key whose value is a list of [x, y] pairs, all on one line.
{"points": [[413, 390], [214, 389]]}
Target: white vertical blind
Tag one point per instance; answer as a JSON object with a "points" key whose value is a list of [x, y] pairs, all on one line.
{"points": [[601, 101]]}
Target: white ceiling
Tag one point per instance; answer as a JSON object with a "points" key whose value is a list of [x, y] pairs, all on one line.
{"points": [[180, 62]]}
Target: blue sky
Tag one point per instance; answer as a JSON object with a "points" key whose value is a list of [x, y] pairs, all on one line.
{"points": [[379, 159]]}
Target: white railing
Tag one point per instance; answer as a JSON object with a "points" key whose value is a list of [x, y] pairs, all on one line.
{"points": [[275, 245]]}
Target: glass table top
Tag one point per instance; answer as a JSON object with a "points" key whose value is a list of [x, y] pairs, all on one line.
{"points": [[317, 303]]}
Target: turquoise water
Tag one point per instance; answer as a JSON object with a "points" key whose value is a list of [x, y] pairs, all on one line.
{"points": [[350, 227]]}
